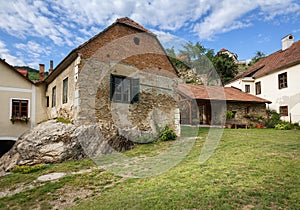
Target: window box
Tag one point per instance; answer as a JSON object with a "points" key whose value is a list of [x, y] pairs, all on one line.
{"points": [[20, 119], [19, 110]]}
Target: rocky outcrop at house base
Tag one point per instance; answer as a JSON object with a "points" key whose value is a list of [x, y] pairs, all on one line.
{"points": [[53, 142]]}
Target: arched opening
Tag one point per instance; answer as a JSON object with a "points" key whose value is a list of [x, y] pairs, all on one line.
{"points": [[5, 146]]}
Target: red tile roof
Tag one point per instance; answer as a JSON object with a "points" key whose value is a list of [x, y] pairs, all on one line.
{"points": [[218, 93], [73, 54], [15, 70], [127, 21], [23, 72], [276, 61]]}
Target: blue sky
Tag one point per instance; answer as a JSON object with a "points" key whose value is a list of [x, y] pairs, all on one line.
{"points": [[33, 32]]}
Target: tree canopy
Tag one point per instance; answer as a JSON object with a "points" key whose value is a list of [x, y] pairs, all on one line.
{"points": [[258, 55], [213, 68]]}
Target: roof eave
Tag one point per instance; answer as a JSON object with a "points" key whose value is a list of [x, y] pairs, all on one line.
{"points": [[62, 65]]}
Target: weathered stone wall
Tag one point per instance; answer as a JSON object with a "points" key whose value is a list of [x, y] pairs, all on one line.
{"points": [[157, 103], [65, 110], [240, 110]]}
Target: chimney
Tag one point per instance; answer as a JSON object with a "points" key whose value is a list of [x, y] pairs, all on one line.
{"points": [[51, 66], [42, 72], [287, 41]]}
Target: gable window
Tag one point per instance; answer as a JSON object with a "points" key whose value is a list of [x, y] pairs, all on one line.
{"points": [[282, 80], [19, 108], [124, 89], [54, 96], [257, 88], [247, 88], [283, 111], [65, 90]]}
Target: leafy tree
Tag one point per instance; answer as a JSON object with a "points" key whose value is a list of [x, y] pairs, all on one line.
{"points": [[211, 67], [171, 52], [225, 66], [259, 55]]}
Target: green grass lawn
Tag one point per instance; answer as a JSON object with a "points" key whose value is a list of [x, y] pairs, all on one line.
{"points": [[257, 169]]}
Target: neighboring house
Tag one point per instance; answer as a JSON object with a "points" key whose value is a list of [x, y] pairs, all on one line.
{"points": [[120, 79], [232, 55], [21, 103], [209, 104], [276, 78]]}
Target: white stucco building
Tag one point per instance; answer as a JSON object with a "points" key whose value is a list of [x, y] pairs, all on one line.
{"points": [[277, 79]]}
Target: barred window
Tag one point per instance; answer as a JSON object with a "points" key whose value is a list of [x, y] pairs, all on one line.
{"points": [[282, 80]]}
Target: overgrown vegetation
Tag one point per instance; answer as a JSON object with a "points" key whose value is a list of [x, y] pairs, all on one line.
{"points": [[168, 134], [29, 169], [205, 61], [63, 120], [273, 119]]}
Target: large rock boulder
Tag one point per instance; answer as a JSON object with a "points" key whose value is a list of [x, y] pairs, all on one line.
{"points": [[53, 142]]}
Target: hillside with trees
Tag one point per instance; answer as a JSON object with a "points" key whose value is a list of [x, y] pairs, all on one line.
{"points": [[214, 69]]}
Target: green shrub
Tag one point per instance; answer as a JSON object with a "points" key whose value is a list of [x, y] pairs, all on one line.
{"points": [[63, 120], [283, 126], [273, 119], [28, 169], [168, 134], [229, 115]]}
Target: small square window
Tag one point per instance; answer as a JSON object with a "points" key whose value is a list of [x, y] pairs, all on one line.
{"points": [[282, 80], [19, 108], [283, 110]]}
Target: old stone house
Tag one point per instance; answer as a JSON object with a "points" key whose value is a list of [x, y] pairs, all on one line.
{"points": [[121, 79], [208, 105], [276, 78]]}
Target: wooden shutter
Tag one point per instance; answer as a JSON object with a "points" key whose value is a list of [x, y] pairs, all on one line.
{"points": [[135, 90]]}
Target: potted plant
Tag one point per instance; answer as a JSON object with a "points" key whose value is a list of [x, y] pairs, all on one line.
{"points": [[229, 116]]}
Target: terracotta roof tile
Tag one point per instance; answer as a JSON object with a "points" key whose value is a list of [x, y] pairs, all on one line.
{"points": [[131, 23], [23, 72], [273, 62], [15, 70], [218, 93]]}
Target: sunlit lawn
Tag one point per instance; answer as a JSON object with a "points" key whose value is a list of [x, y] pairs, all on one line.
{"points": [[257, 169]]}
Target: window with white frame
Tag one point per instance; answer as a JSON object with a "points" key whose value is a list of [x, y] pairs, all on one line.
{"points": [[19, 108]]}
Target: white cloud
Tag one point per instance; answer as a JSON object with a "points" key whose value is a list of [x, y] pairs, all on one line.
{"points": [[169, 40], [34, 49], [68, 23], [10, 59]]}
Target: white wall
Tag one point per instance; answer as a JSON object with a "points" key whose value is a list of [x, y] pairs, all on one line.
{"points": [[289, 96]]}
